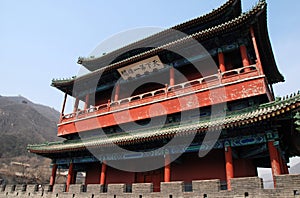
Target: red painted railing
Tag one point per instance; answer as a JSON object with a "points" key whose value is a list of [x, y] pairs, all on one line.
{"points": [[168, 91]]}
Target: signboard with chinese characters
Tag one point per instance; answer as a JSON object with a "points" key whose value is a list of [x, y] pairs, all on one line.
{"points": [[142, 67]]}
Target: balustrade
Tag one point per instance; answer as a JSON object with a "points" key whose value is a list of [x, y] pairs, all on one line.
{"points": [[219, 78]]}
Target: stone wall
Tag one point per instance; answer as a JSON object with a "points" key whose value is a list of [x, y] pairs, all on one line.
{"points": [[287, 186]]}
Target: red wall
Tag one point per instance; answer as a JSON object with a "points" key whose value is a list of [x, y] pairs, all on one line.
{"points": [[93, 173], [191, 167], [114, 176], [212, 166], [187, 168], [244, 168]]}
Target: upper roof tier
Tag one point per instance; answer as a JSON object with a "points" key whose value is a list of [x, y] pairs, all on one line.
{"points": [[228, 11], [239, 26]]}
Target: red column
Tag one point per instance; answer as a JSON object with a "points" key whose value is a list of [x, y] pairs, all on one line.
{"points": [[63, 107], [87, 101], [244, 55], [70, 175], [103, 173], [256, 49], [275, 163], [172, 76], [53, 175], [76, 105], [221, 61], [117, 91], [167, 175], [228, 165]]}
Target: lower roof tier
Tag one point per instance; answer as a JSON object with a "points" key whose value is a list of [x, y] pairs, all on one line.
{"points": [[281, 115]]}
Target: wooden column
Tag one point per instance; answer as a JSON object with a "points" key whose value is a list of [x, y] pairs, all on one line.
{"points": [[228, 165], [76, 105], [274, 159], [103, 173], [221, 61], [117, 92], [256, 50], [87, 101], [172, 76], [167, 172], [70, 175], [245, 58], [63, 107], [53, 175]]}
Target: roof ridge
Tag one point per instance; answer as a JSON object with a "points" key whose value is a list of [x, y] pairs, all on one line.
{"points": [[279, 100], [259, 6], [201, 18]]}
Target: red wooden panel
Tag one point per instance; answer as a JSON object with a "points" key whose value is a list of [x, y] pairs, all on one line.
{"points": [[233, 91]]}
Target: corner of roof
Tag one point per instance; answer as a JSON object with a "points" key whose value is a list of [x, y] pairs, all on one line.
{"points": [[294, 97], [61, 80]]}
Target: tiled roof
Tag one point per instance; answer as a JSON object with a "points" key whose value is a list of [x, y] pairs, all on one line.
{"points": [[233, 119], [204, 34], [231, 9]]}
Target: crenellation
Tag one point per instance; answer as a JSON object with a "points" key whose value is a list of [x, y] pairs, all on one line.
{"points": [[32, 188], [20, 188], [142, 188], [293, 181], [10, 188], [206, 186], [76, 188], [116, 189], [247, 184], [172, 189], [59, 188], [94, 188], [250, 187]]}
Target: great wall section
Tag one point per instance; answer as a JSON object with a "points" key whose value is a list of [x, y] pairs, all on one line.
{"points": [[287, 186]]}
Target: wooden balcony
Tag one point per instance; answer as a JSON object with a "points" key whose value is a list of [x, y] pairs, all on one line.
{"points": [[232, 85]]}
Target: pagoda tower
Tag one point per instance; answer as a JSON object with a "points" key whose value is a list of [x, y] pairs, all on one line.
{"points": [[220, 99]]}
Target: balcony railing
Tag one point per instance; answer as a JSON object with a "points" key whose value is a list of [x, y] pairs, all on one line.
{"points": [[168, 92]]}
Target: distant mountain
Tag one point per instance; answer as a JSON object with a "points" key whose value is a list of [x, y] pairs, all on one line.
{"points": [[23, 122]]}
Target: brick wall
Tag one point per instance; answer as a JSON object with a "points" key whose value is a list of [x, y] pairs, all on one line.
{"points": [[286, 186]]}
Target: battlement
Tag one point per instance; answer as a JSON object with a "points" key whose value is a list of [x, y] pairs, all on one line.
{"points": [[286, 186]]}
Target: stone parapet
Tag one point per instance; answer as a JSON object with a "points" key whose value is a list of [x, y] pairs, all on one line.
{"points": [[251, 187], [142, 188]]}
